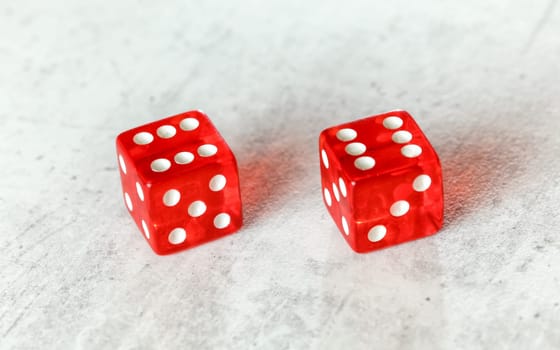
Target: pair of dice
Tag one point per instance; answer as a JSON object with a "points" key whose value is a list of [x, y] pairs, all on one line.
{"points": [[381, 181]]}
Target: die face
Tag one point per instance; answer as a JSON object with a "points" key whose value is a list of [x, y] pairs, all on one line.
{"points": [[169, 147], [371, 197], [336, 198], [134, 192], [408, 206], [205, 203], [377, 145], [392, 179], [181, 181]]}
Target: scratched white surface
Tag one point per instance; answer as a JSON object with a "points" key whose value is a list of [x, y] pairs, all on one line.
{"points": [[481, 77]]}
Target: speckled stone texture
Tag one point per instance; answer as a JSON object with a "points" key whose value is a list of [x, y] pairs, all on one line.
{"points": [[482, 78]]}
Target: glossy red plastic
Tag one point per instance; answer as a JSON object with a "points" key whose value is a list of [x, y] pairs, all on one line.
{"points": [[381, 181], [180, 182]]}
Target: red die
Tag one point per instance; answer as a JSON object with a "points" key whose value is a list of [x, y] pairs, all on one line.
{"points": [[180, 182], [381, 181]]}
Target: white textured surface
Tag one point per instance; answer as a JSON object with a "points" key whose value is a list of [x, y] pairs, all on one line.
{"points": [[481, 77]]}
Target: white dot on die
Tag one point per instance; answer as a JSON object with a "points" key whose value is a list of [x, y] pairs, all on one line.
{"points": [[325, 158], [377, 233], [342, 186], [399, 208], [177, 236], [171, 197], [184, 158], [335, 192], [197, 208], [207, 150], [421, 183], [160, 165], [364, 163], [166, 131], [346, 134], [122, 163], [345, 226], [145, 228], [328, 198], [222, 221], [128, 201], [411, 151], [392, 122], [143, 138], [217, 183], [401, 136], [139, 191], [355, 148], [189, 124]]}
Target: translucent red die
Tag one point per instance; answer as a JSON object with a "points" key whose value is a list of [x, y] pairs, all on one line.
{"points": [[381, 181], [180, 182]]}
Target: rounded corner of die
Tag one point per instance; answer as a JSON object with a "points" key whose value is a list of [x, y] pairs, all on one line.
{"points": [[323, 135], [401, 112], [119, 139], [198, 113], [356, 249]]}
